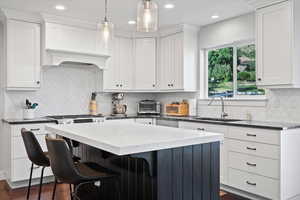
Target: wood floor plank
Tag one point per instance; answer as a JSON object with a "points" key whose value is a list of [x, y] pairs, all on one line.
{"points": [[62, 193]]}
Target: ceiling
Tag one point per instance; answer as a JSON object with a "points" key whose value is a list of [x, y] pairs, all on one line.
{"points": [[196, 12]]}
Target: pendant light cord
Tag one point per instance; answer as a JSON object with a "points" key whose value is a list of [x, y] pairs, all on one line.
{"points": [[105, 18]]}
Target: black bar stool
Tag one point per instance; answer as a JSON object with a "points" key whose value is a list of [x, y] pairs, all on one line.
{"points": [[36, 156], [76, 173]]}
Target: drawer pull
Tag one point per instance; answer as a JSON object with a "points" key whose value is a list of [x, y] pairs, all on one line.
{"points": [[251, 135], [35, 129], [249, 183], [251, 164], [250, 148], [37, 167], [200, 129]]}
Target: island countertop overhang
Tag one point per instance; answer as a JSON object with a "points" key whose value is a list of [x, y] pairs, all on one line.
{"points": [[130, 138]]}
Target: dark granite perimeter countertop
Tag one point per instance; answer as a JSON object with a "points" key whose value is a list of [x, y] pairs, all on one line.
{"points": [[243, 123]]}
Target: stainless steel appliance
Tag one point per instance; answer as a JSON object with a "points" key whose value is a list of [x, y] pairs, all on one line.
{"points": [[74, 119], [149, 107], [118, 108]]}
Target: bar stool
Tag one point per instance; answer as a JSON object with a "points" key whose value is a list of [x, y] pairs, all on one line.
{"points": [[76, 173], [36, 156]]}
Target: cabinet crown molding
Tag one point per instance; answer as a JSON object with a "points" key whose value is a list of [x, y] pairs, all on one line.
{"points": [[12, 14], [48, 18], [263, 3]]}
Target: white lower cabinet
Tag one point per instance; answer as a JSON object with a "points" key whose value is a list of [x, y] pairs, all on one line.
{"points": [[259, 162], [18, 164]]}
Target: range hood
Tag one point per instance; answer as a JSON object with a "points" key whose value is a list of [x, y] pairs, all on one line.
{"points": [[72, 42], [57, 57]]}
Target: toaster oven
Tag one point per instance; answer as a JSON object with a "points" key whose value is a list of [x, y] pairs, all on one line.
{"points": [[149, 107]]}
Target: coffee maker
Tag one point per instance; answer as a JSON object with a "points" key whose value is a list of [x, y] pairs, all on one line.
{"points": [[118, 108]]}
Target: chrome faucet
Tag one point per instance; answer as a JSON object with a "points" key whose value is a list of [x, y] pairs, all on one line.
{"points": [[223, 113]]}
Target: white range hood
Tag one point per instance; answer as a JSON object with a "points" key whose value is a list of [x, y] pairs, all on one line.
{"points": [[72, 42]]}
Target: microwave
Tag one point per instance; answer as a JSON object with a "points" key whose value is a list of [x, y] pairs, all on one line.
{"points": [[149, 107], [177, 109]]}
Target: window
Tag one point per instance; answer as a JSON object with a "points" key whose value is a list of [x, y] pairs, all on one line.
{"points": [[232, 72]]}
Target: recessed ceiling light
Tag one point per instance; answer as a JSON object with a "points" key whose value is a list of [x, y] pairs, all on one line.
{"points": [[131, 22], [169, 6], [60, 7], [215, 16]]}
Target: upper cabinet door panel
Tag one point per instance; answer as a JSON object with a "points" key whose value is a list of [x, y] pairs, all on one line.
{"points": [[274, 45], [23, 55], [145, 64], [125, 63]]}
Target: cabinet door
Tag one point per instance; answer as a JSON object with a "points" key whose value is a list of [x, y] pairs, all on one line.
{"points": [[177, 64], [125, 63], [23, 55], [145, 64], [111, 74], [165, 66], [274, 44]]}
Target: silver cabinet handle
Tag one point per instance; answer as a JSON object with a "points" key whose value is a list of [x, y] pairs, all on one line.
{"points": [[251, 135], [250, 183], [35, 129], [37, 167], [259, 79], [200, 129], [251, 164], [251, 148]]}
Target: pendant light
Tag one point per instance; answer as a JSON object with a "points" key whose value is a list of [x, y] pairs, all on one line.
{"points": [[106, 29], [147, 16]]}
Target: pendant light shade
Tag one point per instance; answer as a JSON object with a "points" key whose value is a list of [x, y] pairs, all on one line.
{"points": [[147, 16], [106, 29]]}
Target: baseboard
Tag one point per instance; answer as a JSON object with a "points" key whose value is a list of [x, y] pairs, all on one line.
{"points": [[241, 193], [2, 175]]}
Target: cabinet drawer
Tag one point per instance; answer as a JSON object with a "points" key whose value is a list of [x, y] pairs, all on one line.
{"points": [[145, 121], [255, 184], [18, 148], [254, 135], [21, 170], [203, 127], [253, 148], [261, 166], [38, 129]]}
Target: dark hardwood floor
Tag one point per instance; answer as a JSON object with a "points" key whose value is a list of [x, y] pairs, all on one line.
{"points": [[62, 193]]}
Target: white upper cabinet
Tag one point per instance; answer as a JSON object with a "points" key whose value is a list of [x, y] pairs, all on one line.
{"points": [[23, 55], [119, 74], [278, 45], [145, 64], [178, 54]]}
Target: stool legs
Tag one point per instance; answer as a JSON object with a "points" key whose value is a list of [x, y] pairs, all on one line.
{"points": [[54, 189], [29, 184], [41, 183]]}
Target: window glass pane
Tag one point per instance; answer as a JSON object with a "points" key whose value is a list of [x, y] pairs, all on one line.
{"points": [[220, 72], [246, 74]]}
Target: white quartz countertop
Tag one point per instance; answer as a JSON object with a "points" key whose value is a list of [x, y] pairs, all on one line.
{"points": [[131, 138]]}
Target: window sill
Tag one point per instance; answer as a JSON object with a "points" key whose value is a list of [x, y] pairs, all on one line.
{"points": [[249, 102]]}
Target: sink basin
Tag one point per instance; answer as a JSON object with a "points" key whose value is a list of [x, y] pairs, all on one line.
{"points": [[217, 119]]}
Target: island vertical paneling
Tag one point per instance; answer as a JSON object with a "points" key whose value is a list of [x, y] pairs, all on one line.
{"points": [[185, 173]]}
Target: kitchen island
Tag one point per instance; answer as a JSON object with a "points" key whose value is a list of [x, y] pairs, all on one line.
{"points": [[154, 162]]}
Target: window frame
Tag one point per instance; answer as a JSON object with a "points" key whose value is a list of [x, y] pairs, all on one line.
{"points": [[235, 46]]}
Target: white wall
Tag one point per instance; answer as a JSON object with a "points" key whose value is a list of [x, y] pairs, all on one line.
{"points": [[236, 29]]}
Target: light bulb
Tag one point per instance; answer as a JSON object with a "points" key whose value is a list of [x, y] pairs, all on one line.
{"points": [[147, 18]]}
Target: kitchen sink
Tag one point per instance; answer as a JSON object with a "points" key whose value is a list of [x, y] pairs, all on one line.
{"points": [[217, 119]]}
